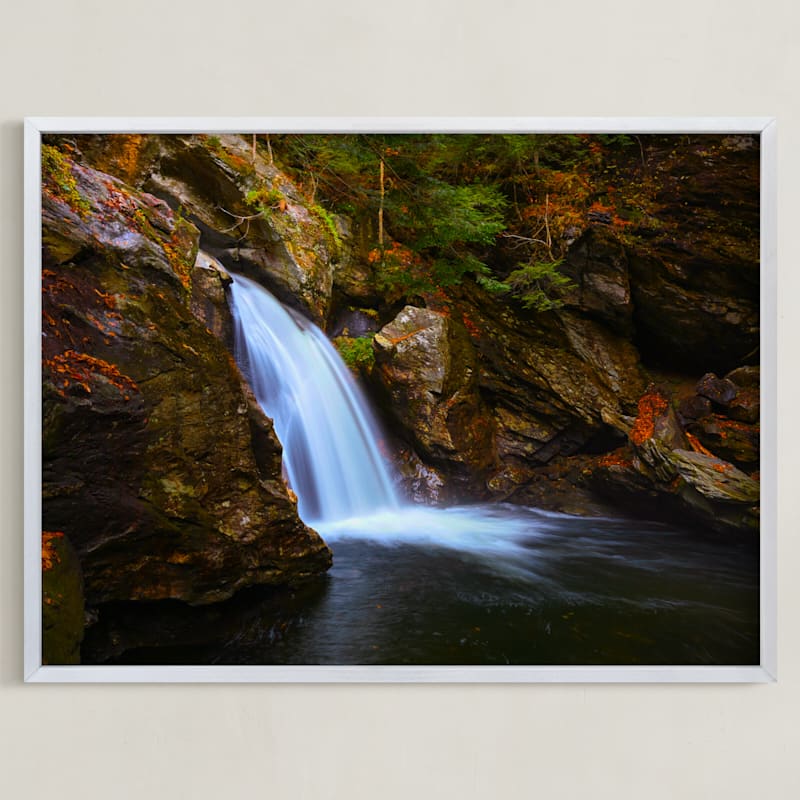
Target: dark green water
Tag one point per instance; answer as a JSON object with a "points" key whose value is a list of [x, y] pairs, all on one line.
{"points": [[556, 590], [482, 585]]}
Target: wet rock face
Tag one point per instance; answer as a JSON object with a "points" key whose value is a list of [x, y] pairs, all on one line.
{"points": [[252, 216], [148, 435], [549, 385], [554, 381], [419, 482], [695, 273], [598, 266], [209, 298], [427, 367]]}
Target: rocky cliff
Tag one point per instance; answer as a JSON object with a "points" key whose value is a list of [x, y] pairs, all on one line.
{"points": [[158, 465]]}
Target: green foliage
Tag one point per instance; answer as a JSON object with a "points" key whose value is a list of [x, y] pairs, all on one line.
{"points": [[329, 222], [492, 284], [539, 285], [265, 200], [445, 216], [264, 197], [57, 176], [443, 222], [444, 201], [616, 139], [357, 353]]}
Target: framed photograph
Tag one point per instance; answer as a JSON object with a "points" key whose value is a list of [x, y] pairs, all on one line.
{"points": [[319, 400]]}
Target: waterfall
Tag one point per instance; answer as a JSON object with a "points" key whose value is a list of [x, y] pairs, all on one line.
{"points": [[329, 436]]}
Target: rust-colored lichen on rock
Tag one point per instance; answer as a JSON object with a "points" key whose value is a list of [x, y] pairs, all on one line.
{"points": [[126, 154], [80, 369], [49, 555], [652, 405], [697, 445], [728, 426], [398, 339], [178, 264], [616, 458], [722, 468]]}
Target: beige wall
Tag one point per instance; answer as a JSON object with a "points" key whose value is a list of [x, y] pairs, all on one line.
{"points": [[418, 57]]}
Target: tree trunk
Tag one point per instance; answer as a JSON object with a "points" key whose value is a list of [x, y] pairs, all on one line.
{"points": [[380, 209]]}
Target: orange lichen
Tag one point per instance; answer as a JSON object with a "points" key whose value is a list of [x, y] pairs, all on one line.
{"points": [[472, 329], [651, 406], [616, 458], [722, 468], [118, 200], [395, 254], [80, 369], [126, 154], [50, 555], [108, 300], [398, 339], [697, 445], [179, 264], [727, 425]]}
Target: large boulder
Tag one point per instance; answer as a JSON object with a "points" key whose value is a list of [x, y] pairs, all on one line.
{"points": [[157, 463], [427, 366]]}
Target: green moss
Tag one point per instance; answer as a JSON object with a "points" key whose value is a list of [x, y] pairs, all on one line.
{"points": [[372, 313], [265, 199], [57, 177], [329, 222], [357, 353], [238, 164]]}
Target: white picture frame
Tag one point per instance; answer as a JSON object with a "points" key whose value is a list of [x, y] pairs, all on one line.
{"points": [[36, 672]]}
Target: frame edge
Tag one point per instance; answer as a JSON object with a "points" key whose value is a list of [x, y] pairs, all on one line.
{"points": [[33, 669]]}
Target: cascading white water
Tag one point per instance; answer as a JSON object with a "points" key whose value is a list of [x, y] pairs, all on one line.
{"points": [[328, 433]]}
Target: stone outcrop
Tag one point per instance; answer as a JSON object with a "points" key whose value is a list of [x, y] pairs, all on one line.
{"points": [[487, 410], [694, 258], [426, 366], [555, 382], [157, 463], [725, 416], [664, 467], [251, 213], [597, 263]]}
